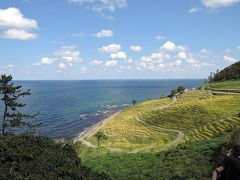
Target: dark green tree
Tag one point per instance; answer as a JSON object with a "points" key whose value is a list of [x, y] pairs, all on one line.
{"points": [[100, 136], [173, 93], [180, 89], [10, 95], [134, 102]]}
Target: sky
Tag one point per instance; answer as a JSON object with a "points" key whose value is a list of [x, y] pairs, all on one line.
{"points": [[117, 39]]}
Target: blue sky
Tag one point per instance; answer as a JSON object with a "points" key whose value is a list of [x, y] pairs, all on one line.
{"points": [[117, 39]]}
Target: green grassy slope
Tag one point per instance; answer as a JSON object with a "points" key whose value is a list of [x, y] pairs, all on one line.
{"points": [[124, 132], [192, 160], [234, 84], [206, 120], [199, 116]]}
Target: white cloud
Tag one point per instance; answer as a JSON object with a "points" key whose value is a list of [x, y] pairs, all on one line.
{"points": [[182, 55], [47, 60], [19, 34], [178, 62], [112, 48], [238, 48], [101, 5], [170, 46], [212, 4], [159, 57], [68, 54], [104, 33], [15, 25], [206, 64], [194, 10], [193, 62], [12, 18], [9, 66], [136, 48], [153, 62], [96, 62], [229, 59], [130, 61], [62, 66], [155, 58], [119, 55], [160, 38], [111, 63], [83, 69]]}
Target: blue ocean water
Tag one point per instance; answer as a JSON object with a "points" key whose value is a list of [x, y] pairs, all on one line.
{"points": [[67, 108]]}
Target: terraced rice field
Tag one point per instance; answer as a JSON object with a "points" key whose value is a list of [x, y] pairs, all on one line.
{"points": [[125, 133], [226, 85], [198, 114]]}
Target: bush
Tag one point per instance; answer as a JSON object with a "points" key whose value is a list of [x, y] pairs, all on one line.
{"points": [[33, 157], [191, 160]]}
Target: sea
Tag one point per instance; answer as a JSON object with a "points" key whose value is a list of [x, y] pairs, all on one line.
{"points": [[68, 108]]}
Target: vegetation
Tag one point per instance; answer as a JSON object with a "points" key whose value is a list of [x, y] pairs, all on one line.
{"points": [[231, 86], [179, 90], [198, 114], [12, 118], [100, 136], [191, 160], [231, 72], [207, 121], [134, 102], [30, 157], [124, 132]]}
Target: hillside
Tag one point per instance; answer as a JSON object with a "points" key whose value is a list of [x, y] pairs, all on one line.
{"points": [[231, 72], [198, 115], [206, 120]]}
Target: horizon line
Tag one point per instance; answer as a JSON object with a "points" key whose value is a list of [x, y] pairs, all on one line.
{"points": [[103, 79]]}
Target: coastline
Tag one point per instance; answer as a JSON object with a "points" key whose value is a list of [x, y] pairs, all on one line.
{"points": [[90, 131], [95, 127]]}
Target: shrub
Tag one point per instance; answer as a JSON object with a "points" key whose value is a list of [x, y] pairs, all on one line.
{"points": [[33, 157]]}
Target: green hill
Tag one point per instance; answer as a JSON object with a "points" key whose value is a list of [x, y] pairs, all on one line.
{"points": [[231, 72]]}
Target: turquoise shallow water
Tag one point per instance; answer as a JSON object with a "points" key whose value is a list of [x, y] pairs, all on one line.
{"points": [[67, 108]]}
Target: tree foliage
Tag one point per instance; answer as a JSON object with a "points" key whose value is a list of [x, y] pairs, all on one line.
{"points": [[178, 90], [30, 157], [231, 72], [12, 117], [134, 102], [100, 136]]}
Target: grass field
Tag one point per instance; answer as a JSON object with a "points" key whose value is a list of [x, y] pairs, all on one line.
{"points": [[235, 84], [125, 133], [191, 160]]}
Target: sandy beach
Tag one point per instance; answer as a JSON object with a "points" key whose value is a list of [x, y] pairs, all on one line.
{"points": [[93, 129]]}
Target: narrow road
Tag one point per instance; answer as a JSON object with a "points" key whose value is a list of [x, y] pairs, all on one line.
{"points": [[92, 130]]}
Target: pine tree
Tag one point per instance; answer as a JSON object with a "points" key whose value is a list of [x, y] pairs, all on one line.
{"points": [[10, 94]]}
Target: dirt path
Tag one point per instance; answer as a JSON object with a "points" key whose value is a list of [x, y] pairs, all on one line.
{"points": [[179, 138], [92, 130]]}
